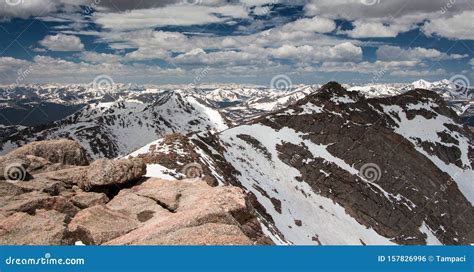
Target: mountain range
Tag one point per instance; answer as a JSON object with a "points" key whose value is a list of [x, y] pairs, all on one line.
{"points": [[331, 164]]}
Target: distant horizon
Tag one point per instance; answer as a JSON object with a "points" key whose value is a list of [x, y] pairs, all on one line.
{"points": [[224, 83]]}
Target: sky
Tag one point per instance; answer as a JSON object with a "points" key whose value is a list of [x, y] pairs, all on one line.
{"points": [[235, 41]]}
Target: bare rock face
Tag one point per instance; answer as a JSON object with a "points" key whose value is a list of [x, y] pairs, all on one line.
{"points": [[137, 207], [43, 228], [99, 224], [89, 199], [56, 151], [30, 202], [10, 189], [70, 176], [217, 215], [205, 234], [112, 172]]}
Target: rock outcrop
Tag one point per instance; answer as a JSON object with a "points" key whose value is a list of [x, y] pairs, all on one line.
{"points": [[187, 208], [42, 228], [110, 202], [56, 151], [112, 172]]}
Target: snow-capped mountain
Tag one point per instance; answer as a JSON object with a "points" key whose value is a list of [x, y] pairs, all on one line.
{"points": [[446, 88], [116, 128], [221, 95], [339, 168], [264, 102], [53, 102], [378, 90]]}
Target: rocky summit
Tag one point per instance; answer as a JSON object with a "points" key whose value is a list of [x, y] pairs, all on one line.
{"points": [[51, 195]]}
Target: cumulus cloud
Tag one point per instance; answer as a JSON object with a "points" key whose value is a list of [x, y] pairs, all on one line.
{"points": [[356, 9], [389, 53], [143, 34], [315, 24], [30, 8], [95, 57], [378, 29], [367, 67], [47, 69], [418, 73], [179, 15], [450, 19], [11, 64], [26, 9], [341, 52], [458, 27], [61, 42]]}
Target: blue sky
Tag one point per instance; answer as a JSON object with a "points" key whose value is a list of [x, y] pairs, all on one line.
{"points": [[238, 41]]}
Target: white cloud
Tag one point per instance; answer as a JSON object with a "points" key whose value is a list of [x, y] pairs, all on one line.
{"points": [[367, 67], [252, 3], [179, 15], [148, 53], [61, 42], [315, 24], [341, 52], [26, 9], [364, 29], [30, 8], [458, 27], [301, 46], [48, 69], [389, 53], [390, 18], [199, 57], [95, 57], [357, 10], [11, 64], [418, 73]]}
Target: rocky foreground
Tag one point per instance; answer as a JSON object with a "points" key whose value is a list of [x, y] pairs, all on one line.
{"points": [[50, 194]]}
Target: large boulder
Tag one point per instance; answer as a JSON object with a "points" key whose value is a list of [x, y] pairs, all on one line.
{"points": [[56, 151], [112, 172], [43, 228]]}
